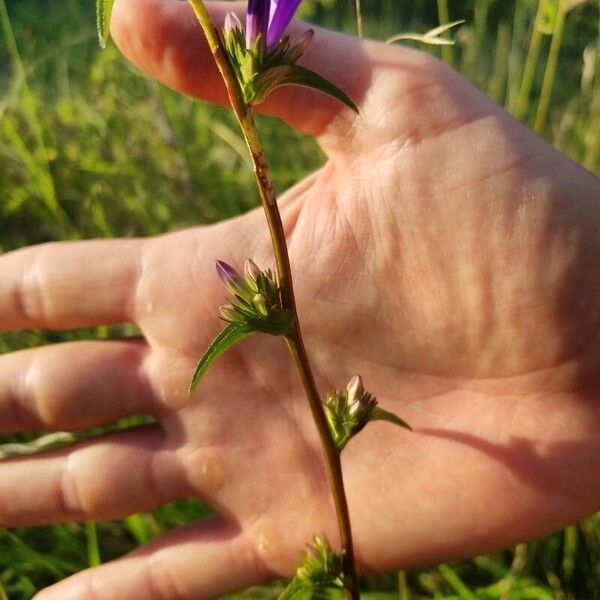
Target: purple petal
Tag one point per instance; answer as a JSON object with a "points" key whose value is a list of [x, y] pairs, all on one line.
{"points": [[229, 276], [272, 8], [257, 20], [284, 12]]}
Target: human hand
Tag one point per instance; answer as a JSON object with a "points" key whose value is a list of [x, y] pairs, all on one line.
{"points": [[443, 252]]}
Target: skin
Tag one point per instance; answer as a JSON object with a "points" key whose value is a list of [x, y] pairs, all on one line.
{"points": [[443, 251]]}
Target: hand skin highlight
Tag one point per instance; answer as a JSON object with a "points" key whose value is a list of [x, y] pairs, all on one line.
{"points": [[443, 251]]}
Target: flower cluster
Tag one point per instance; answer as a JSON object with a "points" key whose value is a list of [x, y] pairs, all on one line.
{"points": [[320, 567], [263, 58], [349, 410], [256, 300]]}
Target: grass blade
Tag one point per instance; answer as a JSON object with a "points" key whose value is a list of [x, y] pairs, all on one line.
{"points": [[551, 65], [93, 548], [103, 11]]}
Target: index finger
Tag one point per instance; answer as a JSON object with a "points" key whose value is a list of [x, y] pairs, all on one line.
{"points": [[69, 284]]}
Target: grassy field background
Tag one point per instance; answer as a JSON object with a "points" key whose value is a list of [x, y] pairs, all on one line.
{"points": [[89, 148]]}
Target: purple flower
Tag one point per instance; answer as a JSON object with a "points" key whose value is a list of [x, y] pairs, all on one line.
{"points": [[282, 16], [269, 17], [257, 20]]}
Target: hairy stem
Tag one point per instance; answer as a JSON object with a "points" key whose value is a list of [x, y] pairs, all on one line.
{"points": [[332, 461], [295, 342]]}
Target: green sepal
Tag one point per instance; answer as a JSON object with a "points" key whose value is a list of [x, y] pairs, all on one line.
{"points": [[378, 414], [275, 77], [320, 569], [103, 11], [277, 323], [295, 590], [231, 335]]}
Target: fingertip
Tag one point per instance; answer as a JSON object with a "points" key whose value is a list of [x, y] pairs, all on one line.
{"points": [[73, 589], [164, 39]]}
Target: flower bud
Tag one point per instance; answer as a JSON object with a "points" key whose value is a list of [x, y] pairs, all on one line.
{"points": [[231, 22], [301, 42], [251, 270], [260, 304], [230, 277], [355, 389], [228, 313], [320, 566], [257, 20]]}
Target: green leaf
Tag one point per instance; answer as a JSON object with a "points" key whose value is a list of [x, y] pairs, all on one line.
{"points": [[231, 335], [296, 590], [379, 414], [432, 37], [103, 10], [276, 77]]}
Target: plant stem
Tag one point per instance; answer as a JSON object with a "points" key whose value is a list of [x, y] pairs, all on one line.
{"points": [[403, 592], [295, 341], [297, 349], [332, 461], [550, 72], [515, 59], [444, 18], [93, 549], [530, 63], [359, 19]]}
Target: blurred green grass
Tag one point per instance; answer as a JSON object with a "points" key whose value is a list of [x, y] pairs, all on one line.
{"points": [[89, 148]]}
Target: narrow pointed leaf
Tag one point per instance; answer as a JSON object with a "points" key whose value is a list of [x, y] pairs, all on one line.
{"points": [[231, 335], [296, 75], [103, 10], [421, 39], [379, 414], [443, 28], [431, 37]]}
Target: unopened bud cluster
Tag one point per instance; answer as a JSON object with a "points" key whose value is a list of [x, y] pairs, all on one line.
{"points": [[320, 566], [256, 64], [349, 410], [256, 300]]}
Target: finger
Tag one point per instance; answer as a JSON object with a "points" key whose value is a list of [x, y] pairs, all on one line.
{"points": [[106, 478], [163, 38], [68, 285], [204, 560], [74, 385]]}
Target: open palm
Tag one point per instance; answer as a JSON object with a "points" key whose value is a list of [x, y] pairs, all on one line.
{"points": [[443, 252]]}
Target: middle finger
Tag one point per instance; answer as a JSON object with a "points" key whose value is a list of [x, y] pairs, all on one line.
{"points": [[74, 385]]}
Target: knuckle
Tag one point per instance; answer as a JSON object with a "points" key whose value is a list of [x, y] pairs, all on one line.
{"points": [[161, 580]]}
